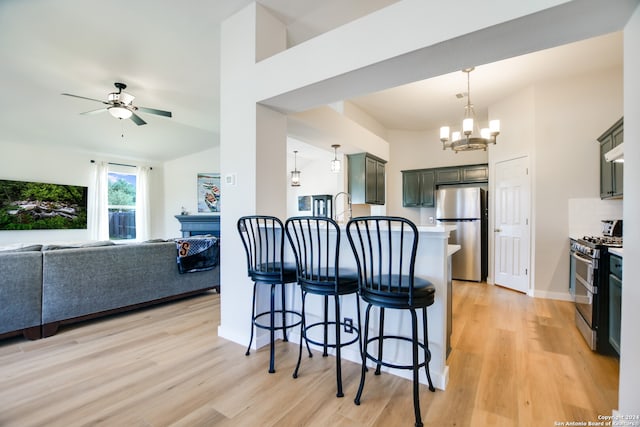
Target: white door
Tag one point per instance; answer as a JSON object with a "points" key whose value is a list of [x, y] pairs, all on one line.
{"points": [[511, 226]]}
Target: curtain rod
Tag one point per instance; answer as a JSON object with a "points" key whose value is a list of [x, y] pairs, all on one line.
{"points": [[121, 164]]}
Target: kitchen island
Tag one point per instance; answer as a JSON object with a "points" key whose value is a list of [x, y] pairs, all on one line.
{"points": [[433, 263]]}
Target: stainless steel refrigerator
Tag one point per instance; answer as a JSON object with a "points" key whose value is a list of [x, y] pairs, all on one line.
{"points": [[466, 208]]}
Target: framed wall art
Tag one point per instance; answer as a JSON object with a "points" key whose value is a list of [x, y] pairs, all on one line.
{"points": [[208, 192], [28, 205]]}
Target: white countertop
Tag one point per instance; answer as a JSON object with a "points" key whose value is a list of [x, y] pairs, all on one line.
{"points": [[421, 228], [616, 251], [452, 249]]}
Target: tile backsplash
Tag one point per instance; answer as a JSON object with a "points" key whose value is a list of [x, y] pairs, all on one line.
{"points": [[585, 215]]}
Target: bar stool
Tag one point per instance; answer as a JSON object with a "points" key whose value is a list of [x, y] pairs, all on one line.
{"points": [[263, 240], [385, 251], [316, 246]]}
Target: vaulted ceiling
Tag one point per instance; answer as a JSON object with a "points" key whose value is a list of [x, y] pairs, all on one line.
{"points": [[168, 55]]}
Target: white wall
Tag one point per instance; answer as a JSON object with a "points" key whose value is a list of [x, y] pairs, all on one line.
{"points": [[22, 162], [570, 114], [180, 177], [629, 401]]}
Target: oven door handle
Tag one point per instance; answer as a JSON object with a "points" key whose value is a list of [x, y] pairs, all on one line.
{"points": [[582, 258], [590, 288]]}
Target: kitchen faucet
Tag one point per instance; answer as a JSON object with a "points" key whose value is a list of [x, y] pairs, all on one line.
{"points": [[335, 199]]}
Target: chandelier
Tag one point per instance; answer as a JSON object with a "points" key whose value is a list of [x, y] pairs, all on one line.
{"points": [[469, 139]]}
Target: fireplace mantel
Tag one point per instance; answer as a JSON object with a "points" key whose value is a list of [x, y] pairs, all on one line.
{"points": [[192, 225]]}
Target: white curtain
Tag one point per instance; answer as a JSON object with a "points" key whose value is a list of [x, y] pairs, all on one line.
{"points": [[143, 217], [98, 204]]}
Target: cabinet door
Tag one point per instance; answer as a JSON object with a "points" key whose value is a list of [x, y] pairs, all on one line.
{"points": [[475, 173], [427, 189], [370, 182], [380, 183], [615, 302], [618, 168], [411, 189], [448, 175], [606, 169]]}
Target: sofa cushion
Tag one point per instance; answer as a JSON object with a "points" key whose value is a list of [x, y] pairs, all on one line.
{"points": [[20, 247], [92, 244]]}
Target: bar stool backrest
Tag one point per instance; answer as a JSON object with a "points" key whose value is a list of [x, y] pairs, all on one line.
{"points": [[385, 251], [263, 240], [316, 246]]}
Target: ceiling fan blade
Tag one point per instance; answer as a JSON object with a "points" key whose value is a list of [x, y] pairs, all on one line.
{"points": [[137, 120], [84, 97], [100, 110], [154, 111]]}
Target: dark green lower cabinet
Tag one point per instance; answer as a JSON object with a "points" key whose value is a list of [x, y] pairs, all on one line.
{"points": [[615, 301]]}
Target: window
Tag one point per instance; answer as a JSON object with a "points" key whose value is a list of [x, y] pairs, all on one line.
{"points": [[122, 205]]}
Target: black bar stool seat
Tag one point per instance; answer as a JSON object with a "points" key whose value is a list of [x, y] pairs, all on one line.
{"points": [[423, 293]]}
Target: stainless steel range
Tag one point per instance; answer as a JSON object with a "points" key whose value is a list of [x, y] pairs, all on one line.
{"points": [[590, 256]]}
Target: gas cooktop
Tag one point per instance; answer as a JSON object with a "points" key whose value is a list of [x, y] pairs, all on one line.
{"points": [[612, 242]]}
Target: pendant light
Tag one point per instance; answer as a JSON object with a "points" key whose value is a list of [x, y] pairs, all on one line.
{"points": [[295, 173], [467, 140], [336, 167]]}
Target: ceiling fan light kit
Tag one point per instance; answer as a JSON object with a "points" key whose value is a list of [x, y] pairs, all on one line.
{"points": [[120, 112], [120, 105], [466, 140]]}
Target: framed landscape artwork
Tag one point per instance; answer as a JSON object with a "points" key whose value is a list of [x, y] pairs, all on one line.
{"points": [[41, 206], [208, 192]]}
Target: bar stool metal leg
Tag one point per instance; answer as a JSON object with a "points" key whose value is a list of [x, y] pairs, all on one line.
{"points": [[380, 335], [303, 336], [284, 315], [253, 317], [416, 368], [338, 351], [427, 352], [272, 332], [365, 340]]}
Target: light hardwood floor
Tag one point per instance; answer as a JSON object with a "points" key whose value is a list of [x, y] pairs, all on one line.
{"points": [[516, 361]]}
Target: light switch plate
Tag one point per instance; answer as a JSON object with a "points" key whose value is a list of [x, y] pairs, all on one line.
{"points": [[230, 179]]}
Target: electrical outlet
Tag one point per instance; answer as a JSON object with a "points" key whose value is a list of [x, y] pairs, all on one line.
{"points": [[348, 325]]}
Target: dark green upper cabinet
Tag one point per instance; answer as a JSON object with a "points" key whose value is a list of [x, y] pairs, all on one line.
{"points": [[418, 188], [419, 185], [611, 181], [448, 175], [475, 173], [366, 179], [462, 174]]}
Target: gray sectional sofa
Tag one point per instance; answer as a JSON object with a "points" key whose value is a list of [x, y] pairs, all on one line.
{"points": [[40, 290], [21, 292]]}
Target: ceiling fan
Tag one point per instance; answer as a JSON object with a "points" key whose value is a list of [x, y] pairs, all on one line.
{"points": [[119, 105]]}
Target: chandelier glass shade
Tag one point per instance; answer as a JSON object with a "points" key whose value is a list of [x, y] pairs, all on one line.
{"points": [[295, 173], [336, 166], [469, 138]]}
